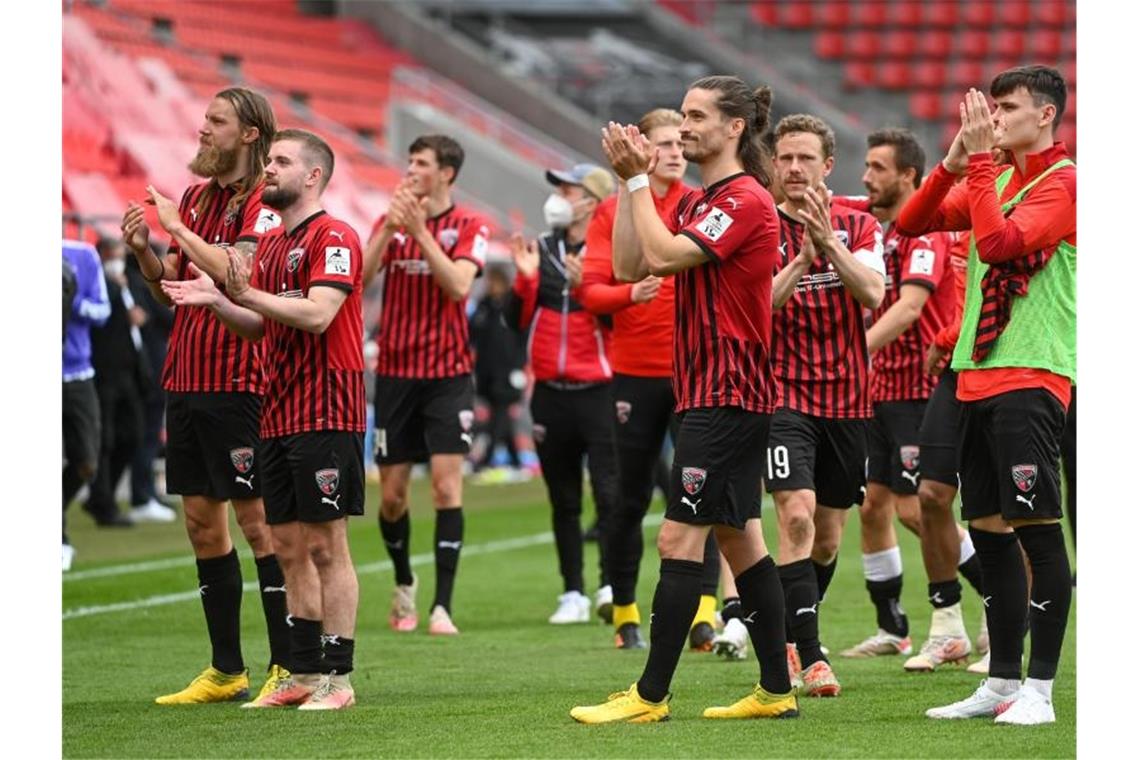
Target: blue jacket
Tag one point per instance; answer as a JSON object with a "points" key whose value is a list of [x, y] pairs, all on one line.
{"points": [[90, 307]]}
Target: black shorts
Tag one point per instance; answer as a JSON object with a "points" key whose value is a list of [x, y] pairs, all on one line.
{"points": [[213, 445], [1010, 455], [313, 477], [818, 454], [893, 445], [418, 418], [81, 429], [643, 411], [938, 436], [717, 466]]}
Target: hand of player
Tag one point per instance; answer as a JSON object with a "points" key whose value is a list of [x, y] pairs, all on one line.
{"points": [[167, 210], [645, 290], [977, 124], [956, 159], [654, 154], [808, 252], [394, 219], [627, 155], [817, 219], [238, 274], [573, 266], [524, 254], [199, 291], [136, 233], [935, 360]]}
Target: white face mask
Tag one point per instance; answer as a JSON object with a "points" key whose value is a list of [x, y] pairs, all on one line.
{"points": [[115, 267], [557, 211]]}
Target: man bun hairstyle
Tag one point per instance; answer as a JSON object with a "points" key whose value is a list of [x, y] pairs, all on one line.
{"points": [[1044, 84], [253, 110], [738, 101]]}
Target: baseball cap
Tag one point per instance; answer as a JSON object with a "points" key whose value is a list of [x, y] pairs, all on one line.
{"points": [[594, 178]]}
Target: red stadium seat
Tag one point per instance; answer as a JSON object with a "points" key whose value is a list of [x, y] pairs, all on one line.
{"points": [[930, 75], [973, 43], [829, 45], [966, 74], [858, 74], [1045, 44], [1014, 13], [872, 13], [926, 104], [949, 132], [1053, 13], [943, 15], [863, 45], [1068, 70], [900, 43], [1069, 43], [834, 15], [907, 14], [797, 14], [936, 43], [894, 75], [1009, 43], [979, 14], [766, 13]]}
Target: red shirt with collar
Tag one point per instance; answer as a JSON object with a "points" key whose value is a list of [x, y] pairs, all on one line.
{"points": [[1047, 215]]}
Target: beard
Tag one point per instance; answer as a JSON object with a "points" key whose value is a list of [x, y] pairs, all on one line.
{"points": [[279, 197], [887, 198], [213, 161]]}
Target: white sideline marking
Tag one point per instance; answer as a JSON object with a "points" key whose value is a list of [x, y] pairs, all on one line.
{"points": [[491, 547]]}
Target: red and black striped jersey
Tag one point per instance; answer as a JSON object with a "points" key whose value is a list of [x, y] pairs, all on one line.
{"points": [[423, 333], [896, 368], [723, 308], [313, 381], [819, 342], [203, 355]]}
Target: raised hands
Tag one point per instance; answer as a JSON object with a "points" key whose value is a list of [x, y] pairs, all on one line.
{"points": [[198, 291], [524, 254], [238, 274], [136, 233], [406, 210], [629, 152], [817, 217], [977, 123], [167, 209]]}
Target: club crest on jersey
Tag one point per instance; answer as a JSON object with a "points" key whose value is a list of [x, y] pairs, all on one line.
{"points": [[539, 432], [328, 480], [693, 480], [242, 459], [466, 417], [1024, 476], [448, 237], [623, 409], [293, 259], [231, 215], [909, 457]]}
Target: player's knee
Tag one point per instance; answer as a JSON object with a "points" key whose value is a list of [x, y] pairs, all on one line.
{"points": [[932, 498], [446, 490], [909, 517], [825, 547], [207, 536], [392, 508], [321, 554], [798, 526], [256, 532]]}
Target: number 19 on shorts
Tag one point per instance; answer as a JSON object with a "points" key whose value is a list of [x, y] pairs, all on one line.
{"points": [[778, 464]]}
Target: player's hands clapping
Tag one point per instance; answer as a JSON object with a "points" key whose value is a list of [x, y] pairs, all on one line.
{"points": [[167, 210], [629, 152], [817, 217], [198, 291], [136, 233], [524, 254], [238, 274], [644, 291], [409, 211], [977, 123]]}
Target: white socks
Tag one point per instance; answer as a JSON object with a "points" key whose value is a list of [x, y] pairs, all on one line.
{"points": [[1042, 687], [884, 565], [965, 548]]}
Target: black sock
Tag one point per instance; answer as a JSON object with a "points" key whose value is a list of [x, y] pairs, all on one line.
{"points": [[762, 602], [675, 602], [219, 584], [888, 612], [305, 646], [730, 608], [823, 576], [1004, 597], [945, 593], [271, 581], [448, 541], [801, 609], [397, 535], [971, 570], [710, 579], [338, 654], [1051, 596]]}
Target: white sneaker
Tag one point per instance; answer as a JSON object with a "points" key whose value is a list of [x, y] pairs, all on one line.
{"points": [[1029, 708], [732, 642], [981, 704], [982, 666], [573, 607], [604, 604], [879, 644], [68, 556], [153, 512]]}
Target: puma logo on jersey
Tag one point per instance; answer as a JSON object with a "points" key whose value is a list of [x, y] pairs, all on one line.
{"points": [[807, 610], [912, 477], [248, 483], [337, 235], [1026, 501], [691, 504], [334, 502]]}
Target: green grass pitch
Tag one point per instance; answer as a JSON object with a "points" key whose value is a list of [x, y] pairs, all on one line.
{"points": [[503, 688]]}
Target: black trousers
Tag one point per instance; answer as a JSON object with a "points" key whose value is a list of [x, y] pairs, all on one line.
{"points": [[121, 411], [570, 425], [142, 464], [500, 429]]}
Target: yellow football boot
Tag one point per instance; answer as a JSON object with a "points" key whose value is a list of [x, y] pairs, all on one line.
{"points": [[211, 686], [623, 706], [759, 704]]}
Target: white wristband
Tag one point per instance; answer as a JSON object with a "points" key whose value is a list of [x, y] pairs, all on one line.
{"points": [[637, 182]]}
